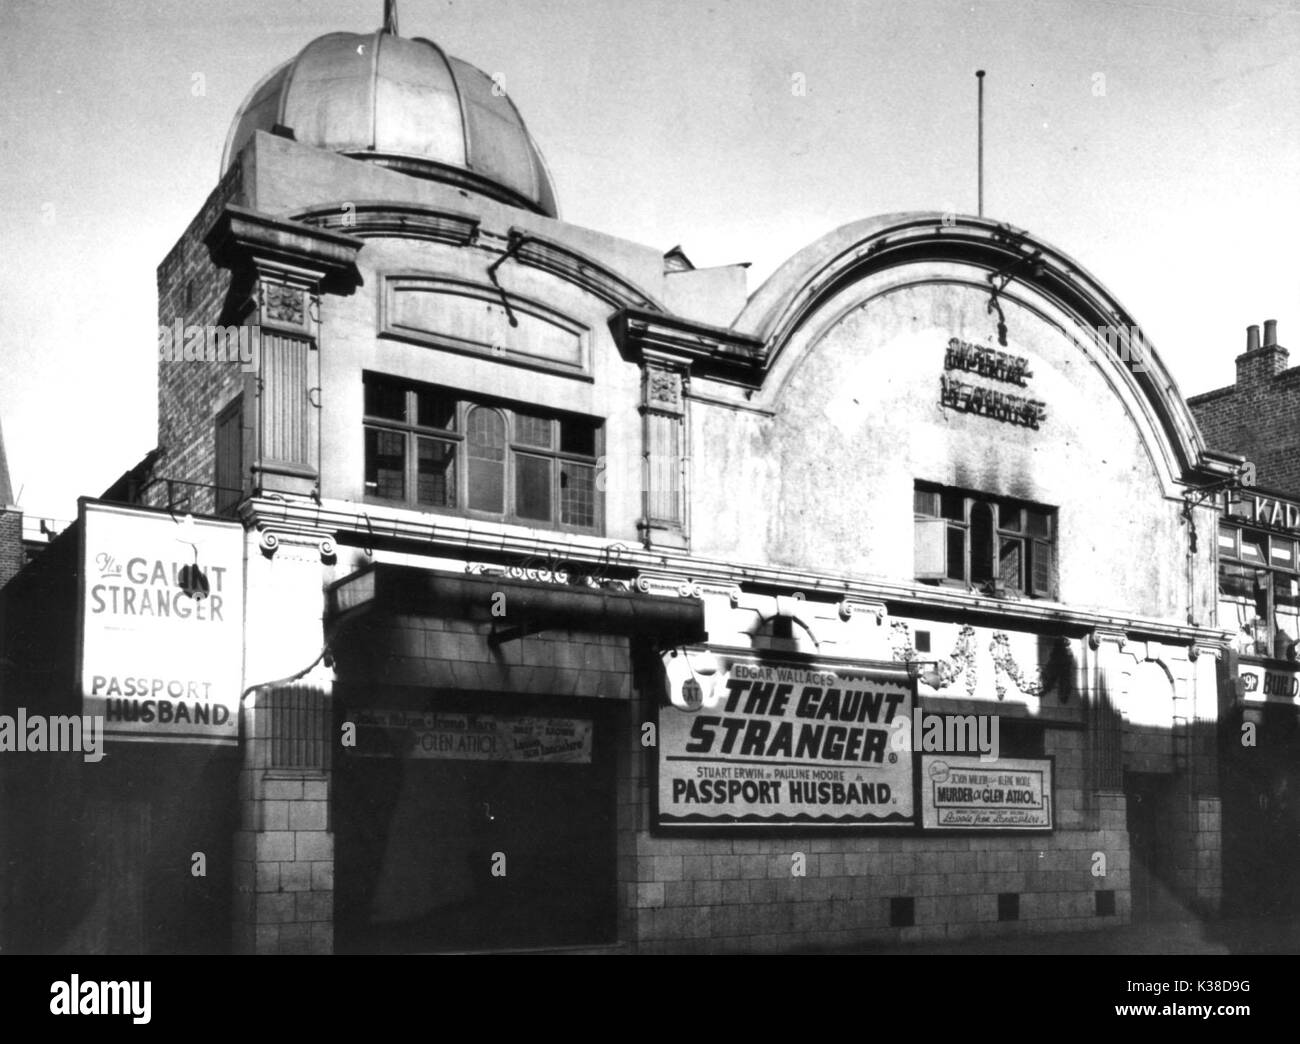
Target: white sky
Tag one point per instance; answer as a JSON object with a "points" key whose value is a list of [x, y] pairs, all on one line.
{"points": [[1157, 143]]}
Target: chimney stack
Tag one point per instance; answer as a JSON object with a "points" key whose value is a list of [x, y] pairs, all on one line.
{"points": [[1260, 363]]}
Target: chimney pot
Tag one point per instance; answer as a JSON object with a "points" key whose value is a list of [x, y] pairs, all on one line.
{"points": [[1270, 333], [1252, 338]]}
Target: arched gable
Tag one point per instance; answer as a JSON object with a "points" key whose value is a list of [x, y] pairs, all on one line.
{"points": [[814, 286]]}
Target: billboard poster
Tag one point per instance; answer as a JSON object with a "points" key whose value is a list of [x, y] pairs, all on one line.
{"points": [[784, 743], [162, 602], [971, 794], [471, 737]]}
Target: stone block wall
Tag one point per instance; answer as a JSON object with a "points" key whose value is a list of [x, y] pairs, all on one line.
{"points": [[736, 892], [429, 651], [1197, 854], [283, 852]]}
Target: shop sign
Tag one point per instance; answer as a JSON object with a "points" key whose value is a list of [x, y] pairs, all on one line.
{"points": [[471, 737], [784, 743], [1271, 512], [161, 619], [970, 794], [1260, 685]]}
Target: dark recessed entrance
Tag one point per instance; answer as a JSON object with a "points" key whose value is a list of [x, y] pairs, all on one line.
{"points": [[486, 828], [1152, 821]]}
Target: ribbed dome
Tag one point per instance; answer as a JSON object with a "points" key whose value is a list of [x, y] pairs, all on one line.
{"points": [[404, 104]]}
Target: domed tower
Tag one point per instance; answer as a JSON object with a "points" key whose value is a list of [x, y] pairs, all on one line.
{"points": [[356, 134], [403, 104]]}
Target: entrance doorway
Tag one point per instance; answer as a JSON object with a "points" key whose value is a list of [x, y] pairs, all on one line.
{"points": [[454, 840], [1261, 813], [1151, 819]]}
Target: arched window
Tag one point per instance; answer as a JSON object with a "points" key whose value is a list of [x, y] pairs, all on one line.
{"points": [[485, 438]]}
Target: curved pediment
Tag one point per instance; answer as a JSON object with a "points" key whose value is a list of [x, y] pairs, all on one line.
{"points": [[368, 219], [1010, 269]]}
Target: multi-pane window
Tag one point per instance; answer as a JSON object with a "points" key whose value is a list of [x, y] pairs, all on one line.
{"points": [[994, 543], [435, 448], [1259, 591]]}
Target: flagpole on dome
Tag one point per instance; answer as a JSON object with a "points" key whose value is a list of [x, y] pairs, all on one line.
{"points": [[390, 17]]}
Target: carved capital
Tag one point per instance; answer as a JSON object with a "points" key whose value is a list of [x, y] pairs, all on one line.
{"points": [[658, 584], [661, 389], [282, 304], [1210, 650], [852, 607], [298, 546], [704, 589], [1100, 635]]}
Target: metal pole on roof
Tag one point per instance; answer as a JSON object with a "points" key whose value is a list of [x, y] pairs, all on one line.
{"points": [[979, 75]]}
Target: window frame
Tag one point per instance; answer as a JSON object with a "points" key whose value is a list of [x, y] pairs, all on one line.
{"points": [[1232, 559], [512, 416], [1001, 529]]}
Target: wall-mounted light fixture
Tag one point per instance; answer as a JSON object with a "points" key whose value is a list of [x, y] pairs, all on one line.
{"points": [[783, 607], [926, 671], [191, 579], [692, 678]]}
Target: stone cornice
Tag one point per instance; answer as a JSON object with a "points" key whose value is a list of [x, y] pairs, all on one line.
{"points": [[528, 248], [705, 350], [465, 538], [295, 251], [366, 218]]}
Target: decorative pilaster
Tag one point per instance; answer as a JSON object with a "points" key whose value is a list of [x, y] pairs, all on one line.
{"points": [[665, 456], [669, 350], [286, 266], [1104, 728]]}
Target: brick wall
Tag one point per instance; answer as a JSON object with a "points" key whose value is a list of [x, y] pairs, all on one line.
{"points": [[190, 394], [1257, 417], [12, 555]]}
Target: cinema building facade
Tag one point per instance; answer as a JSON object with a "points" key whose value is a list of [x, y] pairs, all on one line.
{"points": [[573, 596]]}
